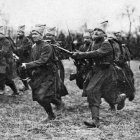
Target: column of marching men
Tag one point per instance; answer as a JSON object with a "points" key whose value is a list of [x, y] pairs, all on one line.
{"points": [[102, 65]]}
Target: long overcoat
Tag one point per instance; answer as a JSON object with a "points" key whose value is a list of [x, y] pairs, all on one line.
{"points": [[24, 46], [45, 81], [102, 79], [6, 57]]}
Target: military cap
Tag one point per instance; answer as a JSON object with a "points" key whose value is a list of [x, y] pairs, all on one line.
{"points": [[86, 34], [40, 25], [51, 31], [102, 26], [2, 30], [38, 29], [89, 30], [21, 28], [111, 35], [117, 33]]}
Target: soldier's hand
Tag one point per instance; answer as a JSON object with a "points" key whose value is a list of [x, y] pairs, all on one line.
{"points": [[23, 65]]}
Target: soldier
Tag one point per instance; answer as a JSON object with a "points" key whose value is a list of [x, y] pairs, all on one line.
{"points": [[46, 84], [101, 81], [6, 63], [122, 58], [87, 42], [50, 37], [82, 65], [24, 45]]}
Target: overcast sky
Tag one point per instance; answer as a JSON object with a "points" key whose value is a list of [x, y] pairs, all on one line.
{"points": [[71, 13]]}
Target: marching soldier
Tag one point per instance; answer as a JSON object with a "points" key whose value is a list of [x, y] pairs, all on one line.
{"points": [[6, 63], [24, 45], [50, 37], [45, 82], [122, 59], [87, 42], [101, 81], [82, 66]]}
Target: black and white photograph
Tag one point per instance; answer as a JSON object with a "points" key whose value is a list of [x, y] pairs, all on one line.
{"points": [[69, 69]]}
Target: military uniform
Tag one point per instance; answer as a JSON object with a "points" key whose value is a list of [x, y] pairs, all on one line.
{"points": [[23, 50], [102, 78], [51, 39], [47, 87], [7, 64], [85, 47], [101, 81], [44, 81], [126, 79], [83, 66]]}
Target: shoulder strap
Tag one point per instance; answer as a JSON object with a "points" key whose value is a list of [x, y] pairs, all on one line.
{"points": [[110, 41]]}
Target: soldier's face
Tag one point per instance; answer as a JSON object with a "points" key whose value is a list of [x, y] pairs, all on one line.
{"points": [[87, 39], [50, 37], [97, 34], [19, 34], [36, 36]]}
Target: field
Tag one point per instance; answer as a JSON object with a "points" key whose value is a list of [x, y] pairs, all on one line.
{"points": [[20, 117]]}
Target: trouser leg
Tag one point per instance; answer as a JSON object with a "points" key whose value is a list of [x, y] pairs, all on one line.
{"points": [[95, 117], [2, 86], [11, 84], [2, 81], [56, 101], [94, 100], [25, 84], [95, 113], [48, 108], [112, 107]]}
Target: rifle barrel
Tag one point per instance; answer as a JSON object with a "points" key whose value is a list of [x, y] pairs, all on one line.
{"points": [[64, 50]]}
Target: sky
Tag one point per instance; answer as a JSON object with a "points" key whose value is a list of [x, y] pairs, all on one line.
{"points": [[70, 14]]}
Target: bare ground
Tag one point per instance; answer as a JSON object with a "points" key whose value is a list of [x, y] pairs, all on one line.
{"points": [[20, 117]]}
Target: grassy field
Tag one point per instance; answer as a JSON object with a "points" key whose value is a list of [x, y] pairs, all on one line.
{"points": [[20, 116]]}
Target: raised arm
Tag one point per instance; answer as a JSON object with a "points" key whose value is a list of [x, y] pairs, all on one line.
{"points": [[104, 50]]}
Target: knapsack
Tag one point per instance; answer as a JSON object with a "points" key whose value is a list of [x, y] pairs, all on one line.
{"points": [[121, 53]]}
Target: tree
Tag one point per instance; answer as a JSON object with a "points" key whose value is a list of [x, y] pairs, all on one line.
{"points": [[129, 13]]}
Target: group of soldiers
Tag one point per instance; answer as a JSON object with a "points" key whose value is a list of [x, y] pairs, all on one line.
{"points": [[102, 66]]}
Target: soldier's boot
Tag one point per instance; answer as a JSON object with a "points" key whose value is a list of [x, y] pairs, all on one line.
{"points": [[26, 86], [58, 103], [121, 101], [112, 108], [2, 89], [95, 118], [50, 113], [12, 85], [132, 96]]}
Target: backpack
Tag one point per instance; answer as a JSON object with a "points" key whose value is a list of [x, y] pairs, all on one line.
{"points": [[121, 53]]}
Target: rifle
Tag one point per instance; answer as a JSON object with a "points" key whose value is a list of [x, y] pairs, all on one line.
{"points": [[62, 49]]}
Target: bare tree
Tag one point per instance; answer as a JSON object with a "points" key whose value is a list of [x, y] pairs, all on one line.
{"points": [[129, 13]]}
